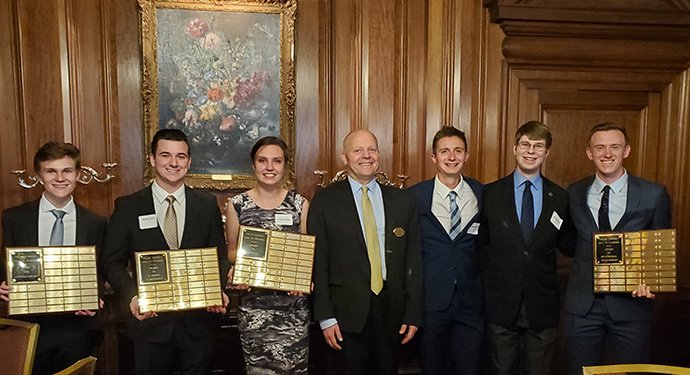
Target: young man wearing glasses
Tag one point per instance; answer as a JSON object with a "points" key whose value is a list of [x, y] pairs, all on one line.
{"points": [[524, 218]]}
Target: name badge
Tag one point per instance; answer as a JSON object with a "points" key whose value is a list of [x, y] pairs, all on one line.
{"points": [[148, 221], [556, 220], [473, 229], [283, 219]]}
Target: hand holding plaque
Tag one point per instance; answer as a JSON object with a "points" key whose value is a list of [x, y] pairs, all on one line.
{"points": [[173, 280], [623, 261], [274, 260], [52, 279]]}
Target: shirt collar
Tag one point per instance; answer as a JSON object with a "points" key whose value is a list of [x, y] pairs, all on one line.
{"points": [[616, 187], [356, 186], [519, 179], [442, 190], [45, 206], [159, 194]]}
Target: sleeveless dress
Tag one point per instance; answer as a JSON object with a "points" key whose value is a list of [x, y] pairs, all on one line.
{"points": [[273, 326]]}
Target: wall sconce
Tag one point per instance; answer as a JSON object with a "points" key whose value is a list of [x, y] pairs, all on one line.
{"points": [[87, 175], [381, 177]]}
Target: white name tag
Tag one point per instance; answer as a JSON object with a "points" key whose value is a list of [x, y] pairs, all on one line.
{"points": [[556, 220], [283, 219], [148, 221], [473, 229]]}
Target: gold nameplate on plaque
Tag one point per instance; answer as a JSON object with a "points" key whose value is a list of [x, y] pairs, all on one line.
{"points": [[274, 260], [624, 260], [173, 280], [52, 279]]}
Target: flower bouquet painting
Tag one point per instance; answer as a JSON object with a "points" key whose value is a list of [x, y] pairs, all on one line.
{"points": [[221, 72]]}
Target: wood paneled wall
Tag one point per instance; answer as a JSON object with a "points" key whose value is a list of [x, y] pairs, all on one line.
{"points": [[401, 68]]}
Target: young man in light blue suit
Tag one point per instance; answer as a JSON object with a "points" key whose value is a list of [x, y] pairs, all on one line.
{"points": [[448, 206], [611, 200]]}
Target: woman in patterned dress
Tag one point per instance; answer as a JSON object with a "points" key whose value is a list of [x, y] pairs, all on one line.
{"points": [[273, 325]]}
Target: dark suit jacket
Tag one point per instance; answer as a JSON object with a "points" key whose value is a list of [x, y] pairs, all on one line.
{"points": [[516, 270], [341, 264], [203, 228], [447, 263], [20, 228], [648, 207]]}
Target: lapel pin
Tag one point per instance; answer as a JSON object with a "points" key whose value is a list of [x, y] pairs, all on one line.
{"points": [[398, 232]]}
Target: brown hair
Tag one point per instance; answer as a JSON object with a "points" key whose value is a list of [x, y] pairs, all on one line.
{"points": [[448, 131], [55, 151], [266, 141], [534, 130], [606, 126]]}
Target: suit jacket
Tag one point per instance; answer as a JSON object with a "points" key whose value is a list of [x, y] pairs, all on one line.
{"points": [[448, 263], [341, 264], [515, 270], [648, 207], [20, 228], [203, 228]]}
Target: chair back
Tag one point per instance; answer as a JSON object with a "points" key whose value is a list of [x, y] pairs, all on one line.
{"points": [[17, 346], [637, 368], [84, 366]]}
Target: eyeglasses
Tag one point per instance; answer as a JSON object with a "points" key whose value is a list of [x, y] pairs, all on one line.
{"points": [[538, 147]]}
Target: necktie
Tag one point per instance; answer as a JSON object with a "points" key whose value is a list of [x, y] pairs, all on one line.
{"points": [[170, 224], [527, 215], [57, 234], [372, 238], [604, 222], [454, 216]]}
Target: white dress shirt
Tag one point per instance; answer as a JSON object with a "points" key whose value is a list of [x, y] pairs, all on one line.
{"points": [[160, 205], [466, 200], [46, 220]]}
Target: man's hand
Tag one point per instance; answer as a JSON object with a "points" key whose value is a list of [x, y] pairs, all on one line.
{"points": [[408, 332], [134, 308], [220, 309], [643, 291], [333, 336], [4, 292]]}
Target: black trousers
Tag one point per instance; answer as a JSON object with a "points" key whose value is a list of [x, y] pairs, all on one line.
{"points": [[373, 351], [520, 349], [182, 352], [451, 339]]}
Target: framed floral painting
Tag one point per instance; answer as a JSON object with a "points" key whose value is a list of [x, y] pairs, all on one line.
{"points": [[222, 71]]}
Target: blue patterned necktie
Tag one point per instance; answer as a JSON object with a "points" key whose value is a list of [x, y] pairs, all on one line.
{"points": [[454, 215], [57, 234], [604, 222], [527, 215]]}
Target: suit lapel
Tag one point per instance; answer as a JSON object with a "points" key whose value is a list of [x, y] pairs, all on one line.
{"points": [[32, 224], [632, 201], [507, 198], [82, 230], [190, 212], [580, 205], [547, 208], [349, 211], [428, 197], [146, 208]]}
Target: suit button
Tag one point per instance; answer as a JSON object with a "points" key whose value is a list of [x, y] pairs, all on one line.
{"points": [[525, 253]]}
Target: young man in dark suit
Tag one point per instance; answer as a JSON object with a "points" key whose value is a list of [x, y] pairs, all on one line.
{"points": [[55, 220], [611, 200], [524, 219], [165, 215], [449, 220], [367, 266]]}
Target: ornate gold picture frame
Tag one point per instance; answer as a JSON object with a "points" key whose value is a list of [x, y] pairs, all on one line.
{"points": [[222, 71]]}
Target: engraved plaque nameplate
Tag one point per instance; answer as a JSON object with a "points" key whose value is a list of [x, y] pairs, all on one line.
{"points": [[624, 260], [52, 279], [173, 280], [273, 259]]}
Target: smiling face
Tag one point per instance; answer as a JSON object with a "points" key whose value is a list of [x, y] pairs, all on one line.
{"points": [[171, 163], [269, 165], [361, 156], [530, 155], [450, 156], [607, 149], [59, 179]]}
